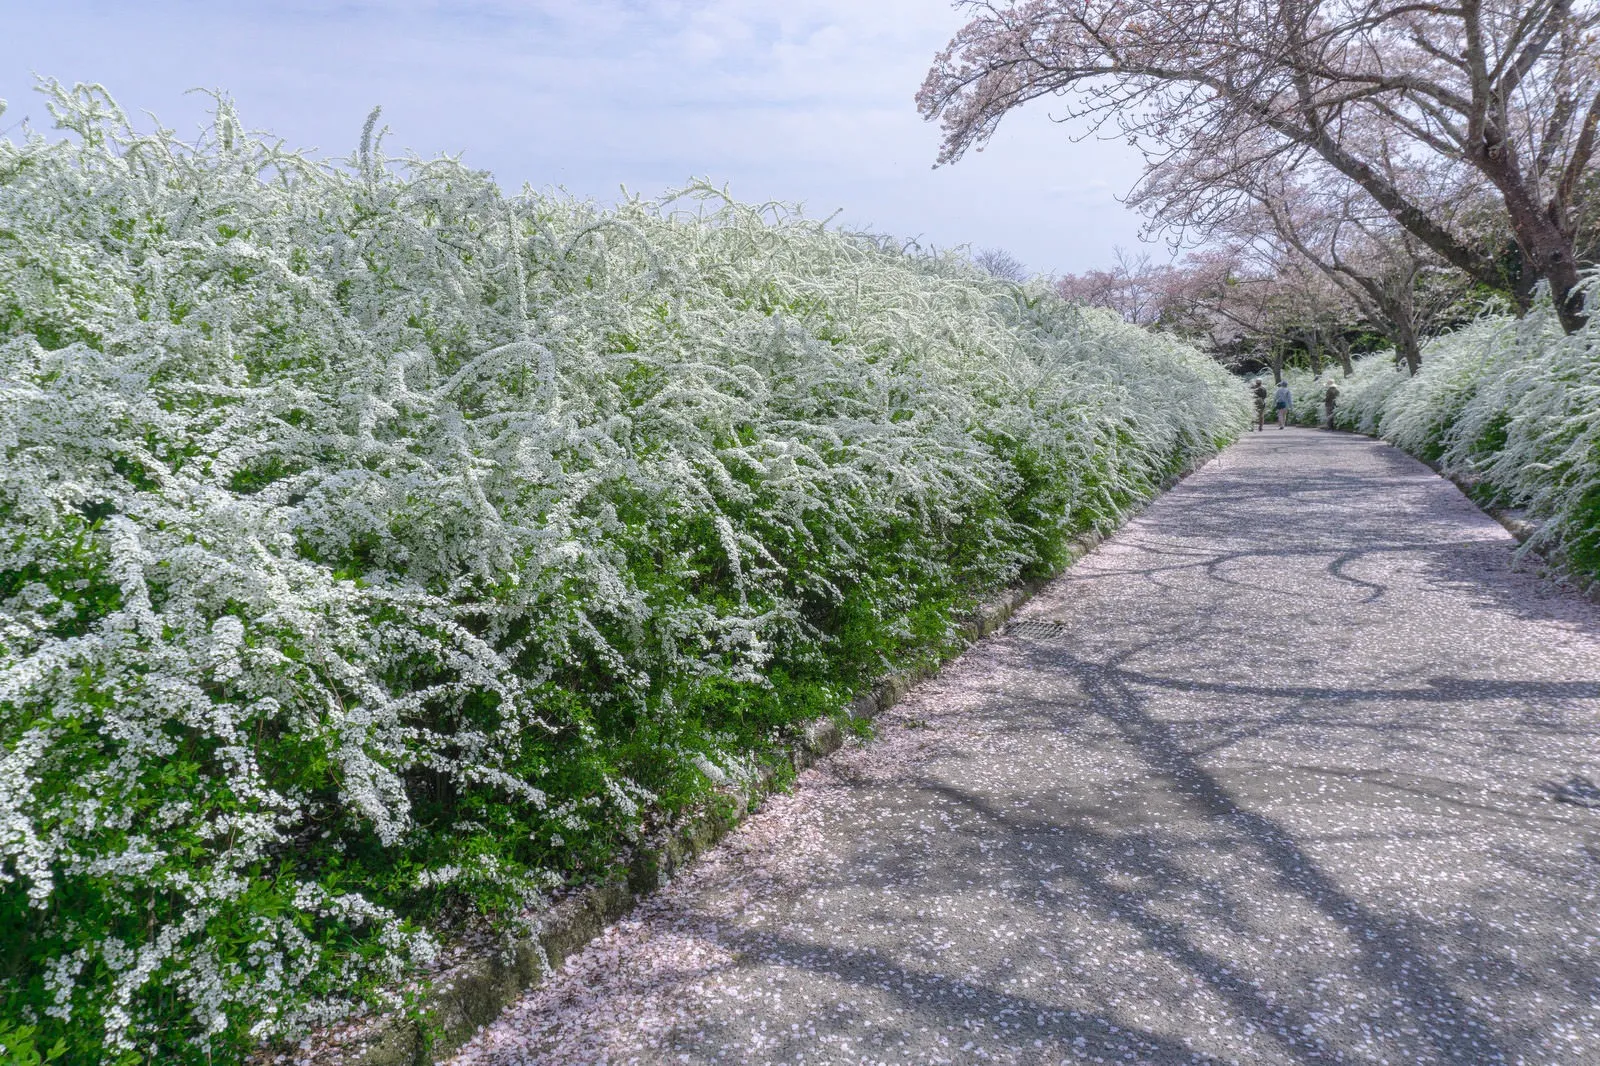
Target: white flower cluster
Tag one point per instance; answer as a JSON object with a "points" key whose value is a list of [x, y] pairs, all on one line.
{"points": [[1511, 402], [329, 491]]}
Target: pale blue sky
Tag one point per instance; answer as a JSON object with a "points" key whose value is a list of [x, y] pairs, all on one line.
{"points": [[809, 101]]}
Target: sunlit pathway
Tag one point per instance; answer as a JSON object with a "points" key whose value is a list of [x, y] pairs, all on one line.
{"points": [[1265, 779]]}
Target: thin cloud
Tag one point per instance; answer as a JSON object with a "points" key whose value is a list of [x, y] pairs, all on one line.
{"points": [[807, 101]]}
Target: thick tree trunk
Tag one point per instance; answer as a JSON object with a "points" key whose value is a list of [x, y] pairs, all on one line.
{"points": [[1411, 352], [1398, 318], [1547, 251], [1341, 352], [1555, 259], [1314, 353], [1407, 346]]}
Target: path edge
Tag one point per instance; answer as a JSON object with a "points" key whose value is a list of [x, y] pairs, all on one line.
{"points": [[1555, 566], [474, 992], [1523, 528]]}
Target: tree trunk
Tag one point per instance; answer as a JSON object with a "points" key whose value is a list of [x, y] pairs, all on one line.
{"points": [[1398, 319], [1412, 354], [1341, 352], [1406, 344], [1554, 259], [1547, 251], [1314, 352]]}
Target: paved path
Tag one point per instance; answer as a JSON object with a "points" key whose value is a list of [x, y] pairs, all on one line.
{"points": [[1262, 780]]}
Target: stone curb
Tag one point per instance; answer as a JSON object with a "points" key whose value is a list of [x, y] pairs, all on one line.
{"points": [[1551, 558], [473, 993], [1549, 555], [1521, 528]]}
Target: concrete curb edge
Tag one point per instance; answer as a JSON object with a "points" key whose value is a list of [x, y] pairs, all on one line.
{"points": [[473, 993], [1549, 556]]}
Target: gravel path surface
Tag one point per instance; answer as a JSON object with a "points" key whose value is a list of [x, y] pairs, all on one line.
{"points": [[1270, 777]]}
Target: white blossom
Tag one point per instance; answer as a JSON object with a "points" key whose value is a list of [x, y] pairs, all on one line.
{"points": [[318, 480]]}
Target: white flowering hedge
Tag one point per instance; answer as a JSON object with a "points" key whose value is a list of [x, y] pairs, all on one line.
{"points": [[377, 549], [1510, 404]]}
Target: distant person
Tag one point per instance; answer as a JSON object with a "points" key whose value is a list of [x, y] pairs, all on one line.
{"points": [[1260, 392], [1281, 400], [1330, 396]]}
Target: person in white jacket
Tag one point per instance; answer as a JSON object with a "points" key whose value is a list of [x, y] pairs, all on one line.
{"points": [[1281, 400]]}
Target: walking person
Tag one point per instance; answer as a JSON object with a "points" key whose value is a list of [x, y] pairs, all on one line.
{"points": [[1259, 391], [1281, 400], [1330, 396]]}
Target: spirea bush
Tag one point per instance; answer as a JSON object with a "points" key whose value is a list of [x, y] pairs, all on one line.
{"points": [[378, 550], [1511, 405]]}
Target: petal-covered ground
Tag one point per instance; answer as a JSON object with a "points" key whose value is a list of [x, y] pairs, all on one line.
{"points": [[1291, 770]]}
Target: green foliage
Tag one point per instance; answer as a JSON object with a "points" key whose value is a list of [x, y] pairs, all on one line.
{"points": [[1509, 405], [379, 552], [19, 1046]]}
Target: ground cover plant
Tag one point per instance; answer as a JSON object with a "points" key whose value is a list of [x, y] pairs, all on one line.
{"points": [[1510, 406], [378, 550]]}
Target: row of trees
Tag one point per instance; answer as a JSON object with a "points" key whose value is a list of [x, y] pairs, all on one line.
{"points": [[1347, 166], [1257, 301]]}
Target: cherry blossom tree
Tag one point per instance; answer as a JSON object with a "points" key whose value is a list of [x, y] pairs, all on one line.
{"points": [[1250, 301], [1135, 288], [1268, 306], [1501, 94], [1329, 227]]}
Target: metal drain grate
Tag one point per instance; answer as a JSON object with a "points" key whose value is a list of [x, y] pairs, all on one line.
{"points": [[1040, 628]]}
